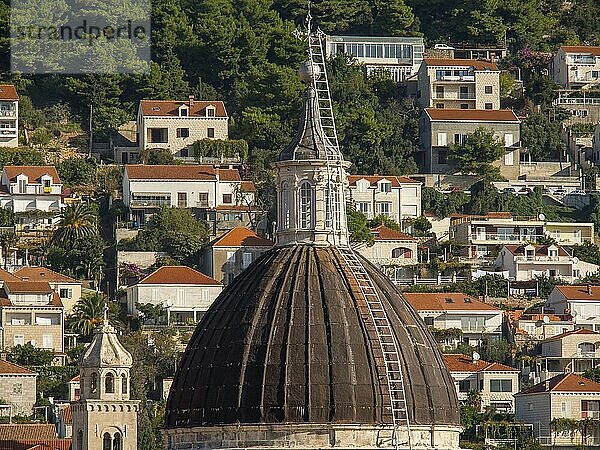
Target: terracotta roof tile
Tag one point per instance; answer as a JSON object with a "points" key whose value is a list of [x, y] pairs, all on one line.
{"points": [[475, 63], [7, 276], [581, 49], [569, 333], [29, 287], [580, 292], [75, 378], [472, 115], [8, 92], [445, 301], [565, 382], [171, 172], [248, 186], [34, 173], [10, 368], [41, 444], [26, 432], [228, 174], [161, 108], [517, 249], [383, 233], [242, 237], [178, 275], [30, 273], [464, 363], [374, 179]]}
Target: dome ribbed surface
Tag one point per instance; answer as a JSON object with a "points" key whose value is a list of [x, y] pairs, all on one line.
{"points": [[291, 340]]}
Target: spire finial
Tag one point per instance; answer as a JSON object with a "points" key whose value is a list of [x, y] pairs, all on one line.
{"points": [[105, 313]]}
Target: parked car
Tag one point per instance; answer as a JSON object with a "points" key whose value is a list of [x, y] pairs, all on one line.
{"points": [[525, 191], [578, 192], [509, 190], [560, 191]]}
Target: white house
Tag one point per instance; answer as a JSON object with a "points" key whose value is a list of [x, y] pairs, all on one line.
{"points": [[581, 302], [394, 196], [185, 293], [390, 248], [458, 84], [574, 351], [496, 383], [230, 254], [565, 396], [219, 195], [576, 67], [400, 56], [176, 125], [525, 262], [33, 193], [9, 116], [66, 287], [475, 319]]}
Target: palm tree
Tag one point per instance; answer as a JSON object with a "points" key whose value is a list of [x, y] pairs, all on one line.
{"points": [[77, 221], [88, 313]]}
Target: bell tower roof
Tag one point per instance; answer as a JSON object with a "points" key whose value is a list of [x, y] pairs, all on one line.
{"points": [[105, 349]]}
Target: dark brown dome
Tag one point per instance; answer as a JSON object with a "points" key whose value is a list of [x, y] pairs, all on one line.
{"points": [[292, 340]]}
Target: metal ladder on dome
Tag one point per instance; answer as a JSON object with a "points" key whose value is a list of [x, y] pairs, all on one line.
{"points": [[387, 340]]}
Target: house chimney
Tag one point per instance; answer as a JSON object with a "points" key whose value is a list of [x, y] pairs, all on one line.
{"points": [[589, 289], [191, 101]]}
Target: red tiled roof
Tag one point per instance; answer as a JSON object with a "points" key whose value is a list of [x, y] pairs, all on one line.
{"points": [[472, 115], [565, 382], [248, 186], [464, 363], [171, 172], [374, 179], [475, 63], [242, 237], [445, 301], [34, 173], [8, 92], [25, 432], [37, 444], [581, 49], [228, 174], [160, 108], [7, 276], [29, 287], [383, 233], [31, 273], [7, 368], [569, 333], [75, 378], [580, 292], [178, 275], [517, 249]]}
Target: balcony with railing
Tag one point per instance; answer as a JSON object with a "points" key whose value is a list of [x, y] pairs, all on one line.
{"points": [[577, 101], [36, 189], [505, 238], [150, 202], [455, 78], [542, 258]]}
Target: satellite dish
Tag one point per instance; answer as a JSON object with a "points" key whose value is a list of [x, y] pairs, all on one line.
{"points": [[542, 217], [573, 313], [546, 319], [476, 356], [575, 259]]}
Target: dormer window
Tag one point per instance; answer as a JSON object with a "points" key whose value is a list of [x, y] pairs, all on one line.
{"points": [[211, 111], [529, 252], [385, 186], [552, 251], [22, 184], [183, 111]]}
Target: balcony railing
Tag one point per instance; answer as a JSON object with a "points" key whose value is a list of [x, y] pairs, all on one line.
{"points": [[577, 101], [541, 258], [590, 414], [505, 237], [6, 113], [150, 203], [466, 96], [455, 78]]}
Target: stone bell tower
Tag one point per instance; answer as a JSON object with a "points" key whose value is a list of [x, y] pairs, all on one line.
{"points": [[105, 418]]}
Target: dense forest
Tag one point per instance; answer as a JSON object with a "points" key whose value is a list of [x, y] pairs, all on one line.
{"points": [[244, 52]]}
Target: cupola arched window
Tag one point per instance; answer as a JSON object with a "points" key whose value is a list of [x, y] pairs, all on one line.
{"points": [[117, 442], [332, 207], [106, 442], [285, 207], [123, 384], [306, 205], [94, 382], [109, 383]]}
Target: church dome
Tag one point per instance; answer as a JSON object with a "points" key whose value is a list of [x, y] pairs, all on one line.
{"points": [[292, 341], [105, 350]]}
